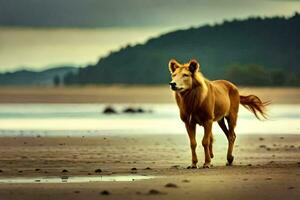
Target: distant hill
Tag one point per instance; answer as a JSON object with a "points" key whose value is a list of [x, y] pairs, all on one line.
{"points": [[27, 77], [255, 51]]}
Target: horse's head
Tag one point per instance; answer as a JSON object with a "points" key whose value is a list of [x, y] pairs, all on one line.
{"points": [[183, 74]]}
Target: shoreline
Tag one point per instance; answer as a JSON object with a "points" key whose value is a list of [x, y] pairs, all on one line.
{"points": [[127, 94]]}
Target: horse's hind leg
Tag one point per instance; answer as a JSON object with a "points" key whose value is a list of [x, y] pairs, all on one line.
{"points": [[223, 126], [231, 119]]}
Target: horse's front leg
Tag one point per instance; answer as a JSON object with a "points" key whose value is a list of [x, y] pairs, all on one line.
{"points": [[206, 142], [191, 129]]}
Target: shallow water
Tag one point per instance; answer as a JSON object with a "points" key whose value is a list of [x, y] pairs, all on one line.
{"points": [[73, 179], [88, 119]]}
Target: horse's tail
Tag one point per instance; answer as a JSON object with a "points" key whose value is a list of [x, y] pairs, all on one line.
{"points": [[255, 105]]}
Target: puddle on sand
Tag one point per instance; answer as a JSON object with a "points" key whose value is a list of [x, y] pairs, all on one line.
{"points": [[73, 179]]}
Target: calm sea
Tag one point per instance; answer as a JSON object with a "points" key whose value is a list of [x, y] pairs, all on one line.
{"points": [[88, 119]]}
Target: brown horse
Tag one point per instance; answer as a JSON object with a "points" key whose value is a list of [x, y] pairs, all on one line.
{"points": [[202, 102]]}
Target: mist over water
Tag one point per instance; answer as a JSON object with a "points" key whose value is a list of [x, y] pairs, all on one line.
{"points": [[40, 48], [88, 120]]}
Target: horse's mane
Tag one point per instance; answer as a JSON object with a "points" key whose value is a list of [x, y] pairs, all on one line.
{"points": [[192, 99]]}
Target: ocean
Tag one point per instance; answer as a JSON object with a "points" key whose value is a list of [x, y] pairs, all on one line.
{"points": [[89, 120]]}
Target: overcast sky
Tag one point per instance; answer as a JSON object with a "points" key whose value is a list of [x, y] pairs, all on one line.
{"points": [[118, 23], [112, 13]]}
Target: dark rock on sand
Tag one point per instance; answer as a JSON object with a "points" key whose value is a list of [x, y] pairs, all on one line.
{"points": [[154, 192], [98, 170], [105, 192], [171, 185]]}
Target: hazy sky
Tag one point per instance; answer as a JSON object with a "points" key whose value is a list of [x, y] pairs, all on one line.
{"points": [[118, 22], [116, 13]]}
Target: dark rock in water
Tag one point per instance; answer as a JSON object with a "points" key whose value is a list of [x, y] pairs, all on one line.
{"points": [[37, 169], [64, 179], [1, 171], [64, 171], [148, 168], [98, 171], [140, 110], [129, 110], [133, 169], [109, 110], [105, 192]]}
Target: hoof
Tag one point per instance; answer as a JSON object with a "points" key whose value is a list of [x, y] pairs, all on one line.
{"points": [[207, 165], [212, 155], [230, 160], [193, 166]]}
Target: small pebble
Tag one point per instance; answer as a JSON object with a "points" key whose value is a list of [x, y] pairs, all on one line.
{"points": [[186, 181], [154, 192], [171, 185]]}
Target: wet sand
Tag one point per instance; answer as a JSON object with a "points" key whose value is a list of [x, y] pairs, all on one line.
{"points": [[126, 94], [265, 167]]}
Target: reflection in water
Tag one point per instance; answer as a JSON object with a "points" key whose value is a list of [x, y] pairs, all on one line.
{"points": [[73, 179], [88, 119]]}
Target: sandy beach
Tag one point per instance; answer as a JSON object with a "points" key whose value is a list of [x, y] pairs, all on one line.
{"points": [[265, 167], [39, 165]]}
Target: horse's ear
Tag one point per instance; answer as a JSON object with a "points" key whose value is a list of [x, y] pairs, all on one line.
{"points": [[173, 65], [194, 65]]}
